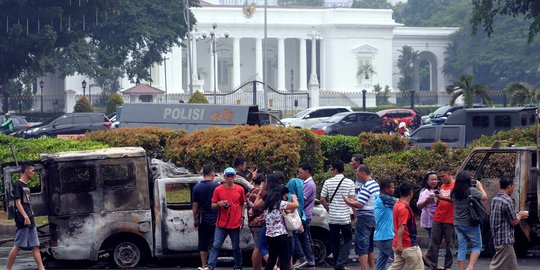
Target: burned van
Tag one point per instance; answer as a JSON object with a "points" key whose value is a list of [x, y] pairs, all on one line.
{"points": [[115, 203], [488, 165]]}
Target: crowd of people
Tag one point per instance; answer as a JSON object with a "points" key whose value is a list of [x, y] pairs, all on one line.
{"points": [[382, 220]]}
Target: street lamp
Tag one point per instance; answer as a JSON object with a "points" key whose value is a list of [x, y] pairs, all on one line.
{"points": [[213, 52], [41, 84], [84, 88]]}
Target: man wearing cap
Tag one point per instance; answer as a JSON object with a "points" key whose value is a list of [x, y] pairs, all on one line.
{"points": [[8, 123], [229, 200]]}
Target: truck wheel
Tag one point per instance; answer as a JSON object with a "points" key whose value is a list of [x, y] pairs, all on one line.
{"points": [[320, 250], [126, 254]]}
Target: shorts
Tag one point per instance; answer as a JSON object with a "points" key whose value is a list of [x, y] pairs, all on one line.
{"points": [[262, 243], [27, 238], [206, 236], [363, 235]]}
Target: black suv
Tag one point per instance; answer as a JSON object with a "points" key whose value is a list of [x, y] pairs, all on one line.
{"points": [[69, 124], [19, 124]]}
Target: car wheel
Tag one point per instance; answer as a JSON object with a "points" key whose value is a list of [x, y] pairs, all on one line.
{"points": [[320, 249], [126, 254], [43, 136], [333, 133]]}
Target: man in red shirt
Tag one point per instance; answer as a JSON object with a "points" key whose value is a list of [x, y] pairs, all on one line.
{"points": [[406, 250], [229, 200], [443, 223]]}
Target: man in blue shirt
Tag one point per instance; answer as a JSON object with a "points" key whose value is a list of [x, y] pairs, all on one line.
{"points": [[384, 223], [204, 217]]}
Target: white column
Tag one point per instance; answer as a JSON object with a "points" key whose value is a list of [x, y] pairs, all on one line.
{"points": [[259, 59], [213, 56], [236, 63], [313, 76], [178, 71], [281, 64], [303, 66], [194, 59], [322, 55]]}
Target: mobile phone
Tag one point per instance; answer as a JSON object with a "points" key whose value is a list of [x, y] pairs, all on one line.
{"points": [[473, 182], [436, 191]]}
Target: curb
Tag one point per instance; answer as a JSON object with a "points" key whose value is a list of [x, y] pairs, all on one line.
{"points": [[7, 230]]}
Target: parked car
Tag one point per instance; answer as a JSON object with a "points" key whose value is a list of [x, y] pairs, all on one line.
{"points": [[312, 116], [349, 123], [406, 116], [19, 124], [441, 114], [69, 124]]}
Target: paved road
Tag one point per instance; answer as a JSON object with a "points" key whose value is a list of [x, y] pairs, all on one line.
{"points": [[25, 262]]}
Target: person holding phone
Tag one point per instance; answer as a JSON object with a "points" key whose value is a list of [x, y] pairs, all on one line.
{"points": [[427, 200]]}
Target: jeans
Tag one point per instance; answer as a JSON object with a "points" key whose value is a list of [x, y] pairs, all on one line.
{"points": [[302, 246], [385, 252], [439, 231], [466, 234], [278, 247], [363, 236], [219, 238], [340, 251]]}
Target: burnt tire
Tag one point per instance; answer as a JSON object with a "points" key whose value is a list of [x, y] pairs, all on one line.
{"points": [[320, 249], [126, 254]]}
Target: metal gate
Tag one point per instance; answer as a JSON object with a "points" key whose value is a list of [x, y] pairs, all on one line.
{"points": [[252, 93]]}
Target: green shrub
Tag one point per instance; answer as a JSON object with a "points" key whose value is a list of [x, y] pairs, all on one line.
{"points": [[339, 147], [152, 139], [372, 144], [520, 136], [30, 149], [114, 101], [83, 105], [198, 97], [268, 147]]}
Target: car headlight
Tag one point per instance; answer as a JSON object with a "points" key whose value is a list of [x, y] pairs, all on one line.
{"points": [[32, 130], [287, 124], [324, 128]]}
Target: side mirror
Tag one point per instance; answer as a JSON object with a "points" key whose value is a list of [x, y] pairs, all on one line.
{"points": [[306, 117], [54, 125]]}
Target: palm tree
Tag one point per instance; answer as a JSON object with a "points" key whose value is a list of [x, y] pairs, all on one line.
{"points": [[469, 91], [405, 63], [365, 72], [522, 93]]}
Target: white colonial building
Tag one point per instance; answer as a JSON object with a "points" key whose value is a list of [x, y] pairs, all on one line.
{"points": [[317, 49]]}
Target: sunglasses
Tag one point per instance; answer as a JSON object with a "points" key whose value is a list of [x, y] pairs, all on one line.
{"points": [[229, 175]]}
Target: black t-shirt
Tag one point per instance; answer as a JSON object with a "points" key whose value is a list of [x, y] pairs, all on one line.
{"points": [[21, 191], [202, 194]]}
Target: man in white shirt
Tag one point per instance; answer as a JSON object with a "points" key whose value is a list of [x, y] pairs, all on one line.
{"points": [[339, 213]]}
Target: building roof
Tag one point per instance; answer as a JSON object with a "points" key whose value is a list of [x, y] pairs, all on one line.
{"points": [[143, 89]]}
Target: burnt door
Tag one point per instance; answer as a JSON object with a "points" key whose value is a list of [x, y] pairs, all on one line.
{"points": [[39, 196]]}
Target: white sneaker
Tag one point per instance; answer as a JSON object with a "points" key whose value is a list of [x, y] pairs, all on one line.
{"points": [[300, 263]]}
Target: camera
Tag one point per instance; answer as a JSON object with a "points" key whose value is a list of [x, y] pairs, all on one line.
{"points": [[227, 204], [473, 182]]}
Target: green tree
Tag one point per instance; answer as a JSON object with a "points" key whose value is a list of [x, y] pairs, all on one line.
{"points": [[366, 72], [375, 4], [405, 63], [381, 96], [198, 97], [522, 93], [484, 13], [83, 105], [115, 100], [93, 38], [469, 91]]}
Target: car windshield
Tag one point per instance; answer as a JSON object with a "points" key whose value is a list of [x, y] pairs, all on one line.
{"points": [[335, 118], [302, 113], [441, 111]]}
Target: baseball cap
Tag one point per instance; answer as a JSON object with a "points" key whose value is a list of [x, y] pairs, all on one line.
{"points": [[229, 171]]}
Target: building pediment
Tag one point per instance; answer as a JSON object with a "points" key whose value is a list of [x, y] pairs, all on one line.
{"points": [[365, 50]]}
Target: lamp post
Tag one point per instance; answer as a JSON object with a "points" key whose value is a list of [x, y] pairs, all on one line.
{"points": [[41, 84], [213, 52], [84, 88], [364, 91], [412, 99]]}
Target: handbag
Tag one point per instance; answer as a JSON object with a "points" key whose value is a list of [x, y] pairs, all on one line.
{"points": [[292, 220], [477, 212]]}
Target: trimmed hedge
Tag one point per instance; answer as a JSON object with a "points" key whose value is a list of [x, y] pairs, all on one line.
{"points": [[520, 136], [270, 148], [339, 147], [152, 139], [372, 144]]}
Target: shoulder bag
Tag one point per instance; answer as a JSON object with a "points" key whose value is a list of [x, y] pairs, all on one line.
{"points": [[292, 220], [334, 194], [477, 212]]}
